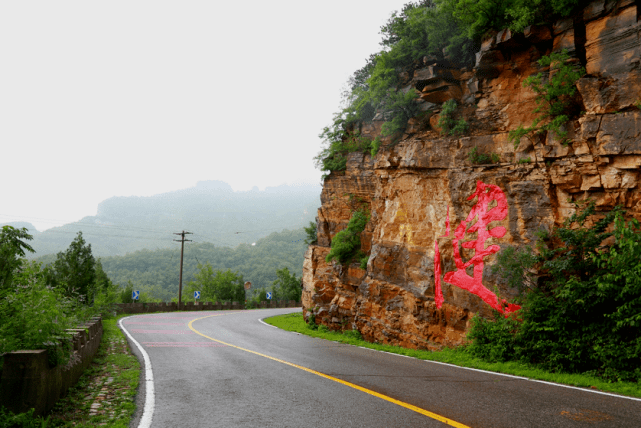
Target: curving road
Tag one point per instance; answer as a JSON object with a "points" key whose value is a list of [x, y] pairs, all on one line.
{"points": [[228, 369]]}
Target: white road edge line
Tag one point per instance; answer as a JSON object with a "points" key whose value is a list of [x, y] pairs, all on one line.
{"points": [[260, 320], [485, 371], [148, 412], [512, 376]]}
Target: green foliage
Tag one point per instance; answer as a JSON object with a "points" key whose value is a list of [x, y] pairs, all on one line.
{"points": [[287, 286], [481, 158], [347, 242], [364, 261], [376, 144], [448, 123], [155, 272], [437, 31], [515, 266], [637, 104], [525, 160], [74, 271], [554, 96], [12, 249], [403, 106], [492, 340], [126, 293], [216, 286], [310, 231], [338, 144], [584, 314], [21, 420], [34, 315]]}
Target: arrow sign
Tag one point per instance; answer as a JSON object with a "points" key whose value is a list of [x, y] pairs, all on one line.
{"points": [[135, 295], [196, 294], [269, 295]]}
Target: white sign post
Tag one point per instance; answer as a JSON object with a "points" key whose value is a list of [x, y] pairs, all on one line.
{"points": [[269, 295], [196, 295], [135, 295]]}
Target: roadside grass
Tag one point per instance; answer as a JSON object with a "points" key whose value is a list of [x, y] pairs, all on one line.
{"points": [[459, 357], [105, 394]]}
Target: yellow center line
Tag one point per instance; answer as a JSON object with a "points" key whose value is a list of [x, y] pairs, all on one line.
{"points": [[351, 385]]}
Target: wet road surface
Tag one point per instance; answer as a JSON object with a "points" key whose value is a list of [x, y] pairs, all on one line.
{"points": [[227, 369]]}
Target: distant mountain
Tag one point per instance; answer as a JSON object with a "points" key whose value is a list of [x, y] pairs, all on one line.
{"points": [[211, 210], [20, 224]]}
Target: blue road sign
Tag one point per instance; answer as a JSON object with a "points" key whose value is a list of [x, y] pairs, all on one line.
{"points": [[269, 295], [135, 295], [196, 294]]}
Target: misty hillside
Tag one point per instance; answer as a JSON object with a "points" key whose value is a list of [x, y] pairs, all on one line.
{"points": [[211, 210]]}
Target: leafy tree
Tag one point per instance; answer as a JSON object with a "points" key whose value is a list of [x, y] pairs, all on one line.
{"points": [[74, 271], [222, 286], [102, 281], [12, 249], [126, 293], [287, 286]]}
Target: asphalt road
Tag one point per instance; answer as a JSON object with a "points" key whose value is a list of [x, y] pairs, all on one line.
{"points": [[230, 370]]}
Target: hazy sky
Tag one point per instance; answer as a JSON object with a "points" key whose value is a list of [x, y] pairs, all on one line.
{"points": [[119, 98]]}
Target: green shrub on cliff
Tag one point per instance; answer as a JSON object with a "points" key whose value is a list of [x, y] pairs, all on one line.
{"points": [[347, 242], [310, 231], [584, 314], [447, 120], [554, 96]]}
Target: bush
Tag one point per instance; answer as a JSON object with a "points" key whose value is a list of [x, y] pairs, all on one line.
{"points": [[448, 123], [34, 316], [554, 96], [584, 315], [287, 286], [364, 261], [310, 231], [347, 242], [21, 420], [481, 158], [33, 313], [216, 286]]}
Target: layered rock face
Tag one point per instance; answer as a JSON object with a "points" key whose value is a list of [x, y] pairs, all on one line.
{"points": [[438, 221]]}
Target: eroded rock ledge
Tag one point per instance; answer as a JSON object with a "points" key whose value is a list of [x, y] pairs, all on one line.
{"points": [[413, 188]]}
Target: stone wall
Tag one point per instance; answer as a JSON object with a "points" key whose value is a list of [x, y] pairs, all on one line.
{"points": [[27, 380], [428, 272]]}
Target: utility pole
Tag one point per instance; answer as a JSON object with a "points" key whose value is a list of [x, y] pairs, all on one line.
{"points": [[182, 251]]}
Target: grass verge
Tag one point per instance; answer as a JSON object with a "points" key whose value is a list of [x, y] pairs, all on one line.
{"points": [[295, 322], [104, 394]]}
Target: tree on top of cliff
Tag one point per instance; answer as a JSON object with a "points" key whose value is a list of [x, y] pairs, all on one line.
{"points": [[446, 30]]}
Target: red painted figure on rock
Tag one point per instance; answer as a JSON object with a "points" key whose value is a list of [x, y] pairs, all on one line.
{"points": [[486, 193]]}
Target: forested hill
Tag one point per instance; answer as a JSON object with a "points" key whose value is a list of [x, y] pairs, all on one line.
{"points": [[211, 210], [156, 272]]}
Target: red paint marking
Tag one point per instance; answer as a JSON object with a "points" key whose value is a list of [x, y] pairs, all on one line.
{"points": [[447, 224], [486, 193], [183, 345], [438, 293], [162, 331]]}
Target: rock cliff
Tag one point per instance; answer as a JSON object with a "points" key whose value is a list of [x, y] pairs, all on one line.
{"points": [[428, 271]]}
